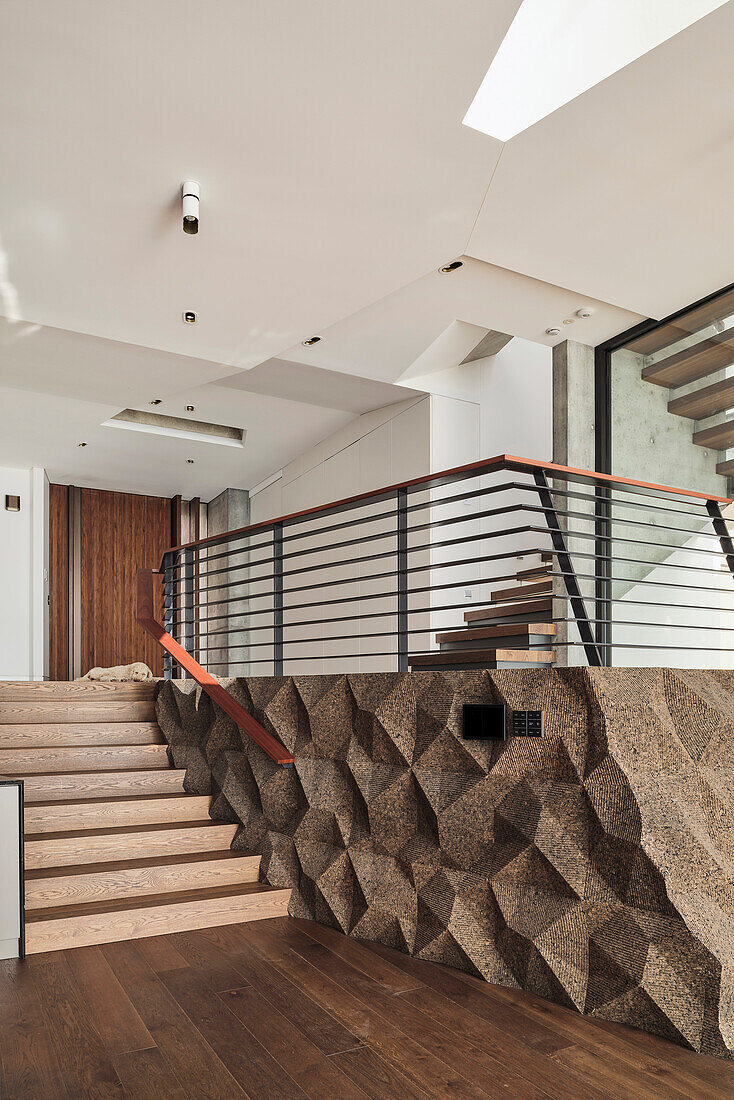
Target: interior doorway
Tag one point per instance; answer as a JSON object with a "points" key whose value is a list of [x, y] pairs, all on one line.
{"points": [[98, 541]]}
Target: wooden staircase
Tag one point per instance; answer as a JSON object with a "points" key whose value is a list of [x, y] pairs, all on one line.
{"points": [[509, 633], [114, 847]]}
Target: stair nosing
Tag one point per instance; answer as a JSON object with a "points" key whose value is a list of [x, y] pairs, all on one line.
{"points": [[148, 901], [176, 859], [126, 830]]}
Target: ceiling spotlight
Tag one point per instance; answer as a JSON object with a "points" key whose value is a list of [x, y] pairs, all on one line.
{"points": [[585, 311], [81, 444], [568, 320], [156, 401], [190, 202], [189, 317], [553, 332], [190, 461], [190, 408], [311, 340], [451, 267]]}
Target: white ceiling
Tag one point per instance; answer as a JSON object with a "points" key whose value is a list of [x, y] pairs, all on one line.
{"points": [[336, 177]]}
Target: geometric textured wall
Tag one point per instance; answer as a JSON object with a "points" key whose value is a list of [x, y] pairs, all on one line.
{"points": [[593, 867]]}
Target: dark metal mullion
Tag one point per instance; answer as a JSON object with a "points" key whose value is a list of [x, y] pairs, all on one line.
{"points": [[278, 600], [168, 611], [402, 579]]}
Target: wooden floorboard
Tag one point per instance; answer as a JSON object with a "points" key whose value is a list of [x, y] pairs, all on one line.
{"points": [[290, 1009]]}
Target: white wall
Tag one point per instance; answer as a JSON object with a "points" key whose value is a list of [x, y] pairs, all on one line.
{"points": [[516, 401], [24, 576]]}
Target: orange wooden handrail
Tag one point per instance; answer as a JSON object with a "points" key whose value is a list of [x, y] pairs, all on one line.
{"points": [[146, 617], [487, 465]]}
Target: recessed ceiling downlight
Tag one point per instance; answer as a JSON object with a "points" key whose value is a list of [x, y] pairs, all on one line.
{"points": [[190, 461], [557, 49], [81, 444], [453, 266], [189, 317], [311, 340]]}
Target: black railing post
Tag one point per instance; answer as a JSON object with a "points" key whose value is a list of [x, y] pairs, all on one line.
{"points": [[187, 625], [277, 599], [169, 602], [722, 531], [593, 656], [402, 578]]}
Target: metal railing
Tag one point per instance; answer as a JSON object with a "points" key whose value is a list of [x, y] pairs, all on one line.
{"points": [[638, 574]]}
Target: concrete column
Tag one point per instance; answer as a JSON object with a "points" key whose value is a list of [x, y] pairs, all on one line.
{"points": [[574, 444], [228, 512]]}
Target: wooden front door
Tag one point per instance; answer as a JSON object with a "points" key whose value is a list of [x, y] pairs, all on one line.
{"points": [[110, 536]]}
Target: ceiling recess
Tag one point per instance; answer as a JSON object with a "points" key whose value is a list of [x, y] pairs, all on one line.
{"points": [[177, 427]]}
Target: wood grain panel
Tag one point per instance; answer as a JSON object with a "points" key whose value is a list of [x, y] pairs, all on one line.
{"points": [[58, 568], [60, 787], [120, 533], [107, 922]]}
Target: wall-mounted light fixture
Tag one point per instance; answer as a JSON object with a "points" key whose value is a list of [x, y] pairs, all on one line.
{"points": [[12, 503]]}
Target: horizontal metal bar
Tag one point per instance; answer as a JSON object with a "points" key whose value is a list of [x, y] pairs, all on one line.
{"points": [[455, 498]]}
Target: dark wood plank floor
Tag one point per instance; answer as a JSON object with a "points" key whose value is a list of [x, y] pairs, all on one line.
{"points": [[285, 1008]]}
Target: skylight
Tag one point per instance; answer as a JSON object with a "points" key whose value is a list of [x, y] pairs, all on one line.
{"points": [[557, 49]]}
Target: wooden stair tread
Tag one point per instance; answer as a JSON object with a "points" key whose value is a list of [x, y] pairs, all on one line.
{"points": [[85, 758], [719, 437], [74, 869], [172, 796], [58, 785], [534, 571], [466, 656], [121, 905], [698, 361], [36, 691], [531, 607], [79, 734], [705, 402], [500, 631], [86, 814], [71, 710], [726, 467], [127, 830], [523, 591]]}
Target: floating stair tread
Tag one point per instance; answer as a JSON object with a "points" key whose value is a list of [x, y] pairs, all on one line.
{"points": [[31, 735], [86, 758], [146, 901], [726, 467], [688, 365], [474, 656], [535, 571], [719, 438], [523, 591], [532, 607], [72, 870], [503, 630], [705, 402]]}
